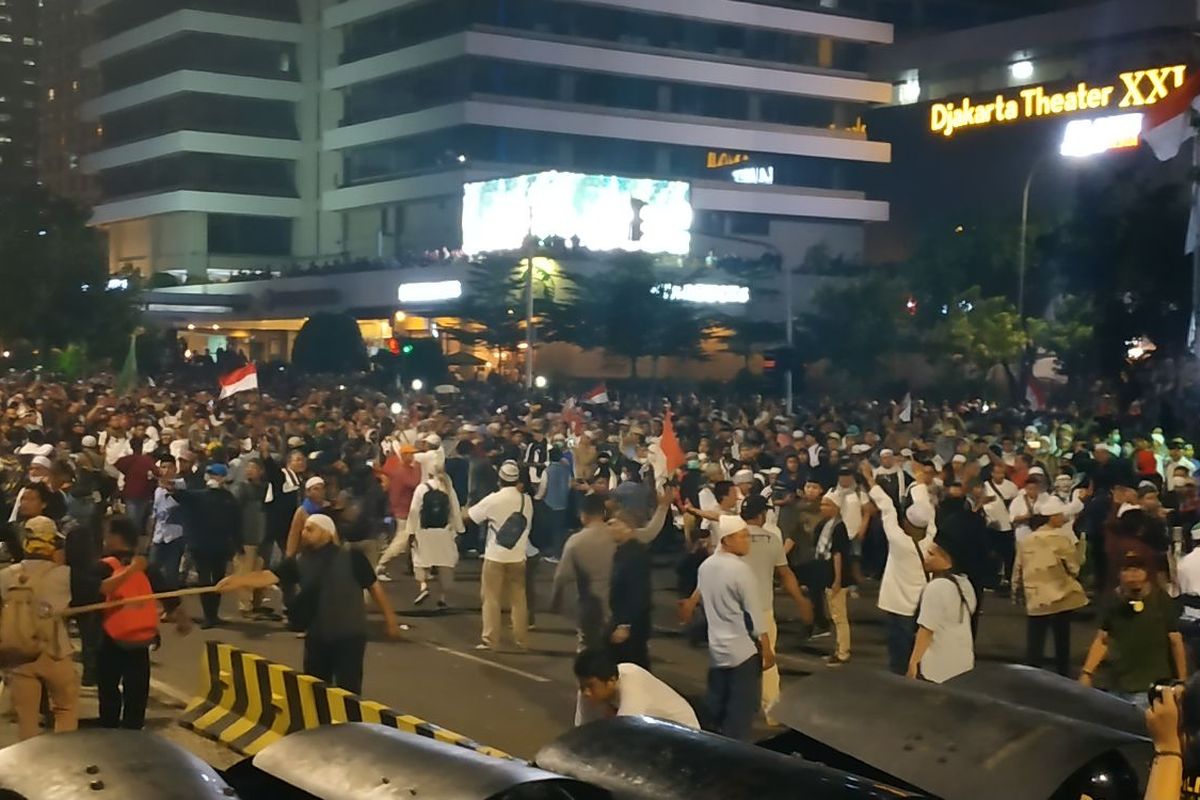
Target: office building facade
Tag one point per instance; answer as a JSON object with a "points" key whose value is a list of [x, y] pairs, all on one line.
{"points": [[64, 136], [18, 93], [237, 133]]}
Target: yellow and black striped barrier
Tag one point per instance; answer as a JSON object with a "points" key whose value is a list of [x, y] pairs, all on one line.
{"points": [[247, 702]]}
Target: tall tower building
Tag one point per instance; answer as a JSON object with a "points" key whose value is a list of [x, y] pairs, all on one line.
{"points": [[64, 137], [18, 93]]}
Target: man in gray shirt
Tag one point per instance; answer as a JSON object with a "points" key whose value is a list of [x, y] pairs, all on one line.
{"points": [[587, 560], [737, 657]]}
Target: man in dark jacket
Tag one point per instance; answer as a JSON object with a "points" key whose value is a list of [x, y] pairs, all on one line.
{"points": [[630, 598], [212, 526]]}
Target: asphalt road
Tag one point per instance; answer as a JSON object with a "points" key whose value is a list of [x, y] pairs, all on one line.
{"points": [[517, 702]]}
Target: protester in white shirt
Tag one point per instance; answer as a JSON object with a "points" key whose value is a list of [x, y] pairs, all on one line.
{"points": [[504, 567], [1024, 506], [904, 575], [945, 646], [608, 689]]}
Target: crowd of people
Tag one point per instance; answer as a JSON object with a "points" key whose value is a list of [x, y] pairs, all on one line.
{"points": [[303, 500]]}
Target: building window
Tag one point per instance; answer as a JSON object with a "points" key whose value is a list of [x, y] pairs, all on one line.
{"points": [[50, 95], [751, 225], [5, 140], [4, 37], [29, 41]]}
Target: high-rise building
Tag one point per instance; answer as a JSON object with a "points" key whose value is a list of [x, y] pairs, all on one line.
{"points": [[248, 133], [64, 137], [18, 93]]}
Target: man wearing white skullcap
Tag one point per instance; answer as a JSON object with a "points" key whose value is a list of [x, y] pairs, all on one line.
{"points": [[904, 576], [737, 658], [330, 607]]}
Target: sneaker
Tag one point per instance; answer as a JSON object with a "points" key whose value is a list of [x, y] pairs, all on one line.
{"points": [[383, 577], [834, 661], [483, 646], [821, 634], [209, 624], [421, 597], [550, 559]]}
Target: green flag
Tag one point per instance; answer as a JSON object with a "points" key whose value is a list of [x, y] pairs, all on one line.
{"points": [[127, 380]]}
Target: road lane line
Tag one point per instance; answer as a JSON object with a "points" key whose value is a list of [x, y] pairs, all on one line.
{"points": [[167, 690], [488, 662]]}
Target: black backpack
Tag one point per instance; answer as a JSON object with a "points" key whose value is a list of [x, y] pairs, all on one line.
{"points": [[435, 509]]}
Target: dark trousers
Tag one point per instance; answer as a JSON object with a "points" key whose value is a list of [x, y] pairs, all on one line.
{"points": [[812, 575], [1035, 640], [91, 635], [734, 695], [167, 557], [123, 684], [210, 569], [337, 661], [1004, 552], [901, 636]]}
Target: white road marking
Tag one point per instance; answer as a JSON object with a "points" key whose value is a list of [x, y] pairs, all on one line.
{"points": [[169, 691], [487, 662]]}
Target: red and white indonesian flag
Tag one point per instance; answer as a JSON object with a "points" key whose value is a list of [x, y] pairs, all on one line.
{"points": [[1167, 124], [242, 379], [597, 395]]}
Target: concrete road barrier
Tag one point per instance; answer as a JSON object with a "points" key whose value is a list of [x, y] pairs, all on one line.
{"points": [[247, 702]]}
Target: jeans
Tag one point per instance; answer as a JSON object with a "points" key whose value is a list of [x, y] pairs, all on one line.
{"points": [[554, 529], [901, 636], [210, 569], [123, 685], [1035, 640], [734, 695], [1004, 552], [137, 511], [167, 557], [337, 661]]}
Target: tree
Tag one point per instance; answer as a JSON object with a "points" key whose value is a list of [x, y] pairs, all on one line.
{"points": [[624, 311], [745, 336], [55, 275], [856, 326], [330, 343], [982, 333], [492, 312], [1068, 335]]}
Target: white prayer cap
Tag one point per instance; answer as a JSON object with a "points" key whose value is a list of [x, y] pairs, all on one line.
{"points": [[315, 480], [730, 524], [324, 522], [919, 515]]}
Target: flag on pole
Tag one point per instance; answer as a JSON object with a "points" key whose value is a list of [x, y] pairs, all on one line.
{"points": [[670, 444], [242, 379], [1167, 124], [128, 377], [1035, 396], [905, 414], [598, 395]]}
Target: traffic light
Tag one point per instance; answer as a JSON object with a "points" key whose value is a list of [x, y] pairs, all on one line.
{"points": [[408, 348], [393, 346]]}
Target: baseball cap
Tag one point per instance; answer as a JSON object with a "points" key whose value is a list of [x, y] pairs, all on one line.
{"points": [[42, 537], [220, 470], [753, 506]]}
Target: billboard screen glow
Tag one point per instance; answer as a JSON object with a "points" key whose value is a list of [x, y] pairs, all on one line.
{"points": [[606, 212]]}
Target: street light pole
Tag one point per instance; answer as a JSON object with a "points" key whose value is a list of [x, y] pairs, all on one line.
{"points": [[1022, 246], [529, 331]]}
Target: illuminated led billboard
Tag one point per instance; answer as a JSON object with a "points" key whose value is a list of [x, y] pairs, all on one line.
{"points": [[603, 212]]}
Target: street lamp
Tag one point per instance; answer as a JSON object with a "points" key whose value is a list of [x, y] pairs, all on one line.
{"points": [[418, 385], [540, 382]]}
